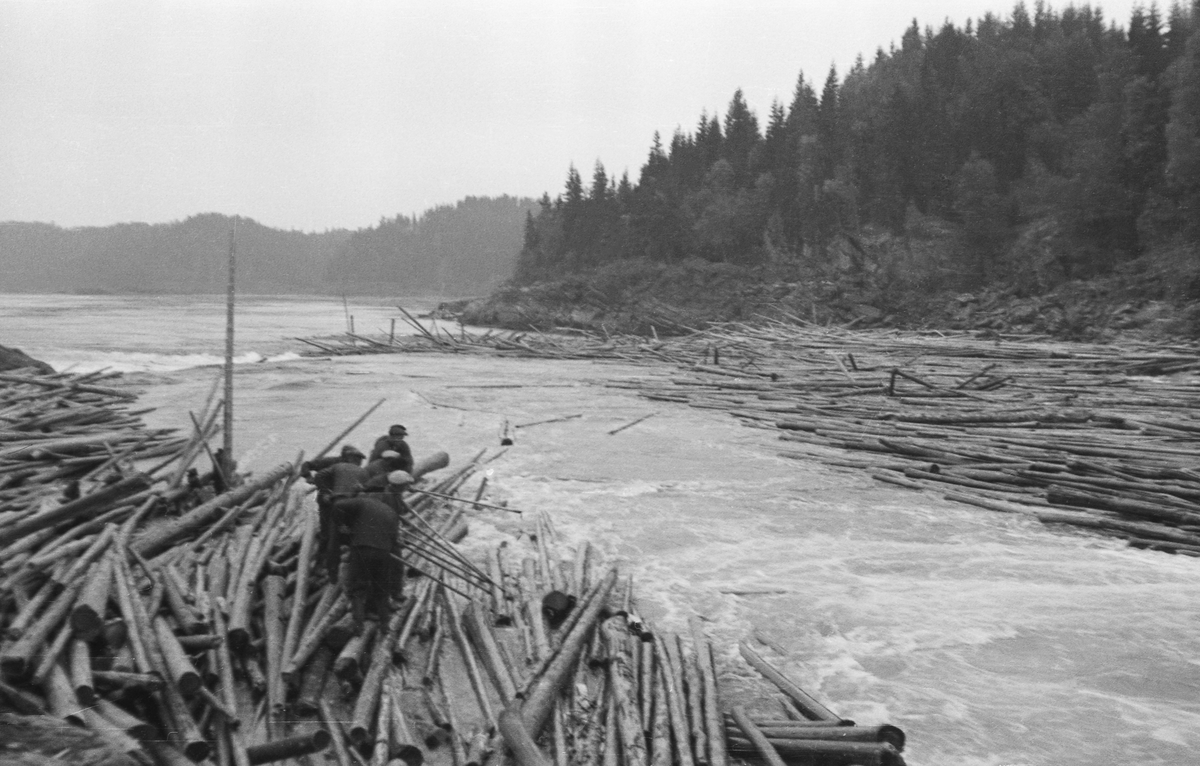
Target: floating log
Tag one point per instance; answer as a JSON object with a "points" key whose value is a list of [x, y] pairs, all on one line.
{"points": [[289, 747], [430, 463], [761, 744], [539, 697], [801, 699], [347, 666], [313, 683], [116, 679], [180, 669], [712, 704], [481, 636], [75, 508], [622, 691], [125, 721], [155, 541], [518, 738], [369, 692], [672, 688], [17, 659]]}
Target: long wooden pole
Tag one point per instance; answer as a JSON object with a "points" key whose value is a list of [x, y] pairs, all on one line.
{"points": [[349, 428], [227, 468]]}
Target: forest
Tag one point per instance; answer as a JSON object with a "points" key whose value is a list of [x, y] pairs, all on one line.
{"points": [[462, 249], [1033, 149]]}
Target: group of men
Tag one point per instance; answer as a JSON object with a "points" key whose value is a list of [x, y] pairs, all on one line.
{"points": [[360, 506]]}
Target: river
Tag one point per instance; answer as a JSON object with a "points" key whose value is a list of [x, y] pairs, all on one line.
{"points": [[988, 638]]}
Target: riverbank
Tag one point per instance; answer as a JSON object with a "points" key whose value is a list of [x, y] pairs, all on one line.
{"points": [[650, 298], [986, 637]]}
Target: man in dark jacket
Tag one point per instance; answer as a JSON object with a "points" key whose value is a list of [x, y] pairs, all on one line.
{"points": [[374, 574], [349, 454], [394, 441], [335, 484], [378, 470]]}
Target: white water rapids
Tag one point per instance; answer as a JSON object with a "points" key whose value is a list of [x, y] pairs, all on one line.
{"points": [[988, 638]]}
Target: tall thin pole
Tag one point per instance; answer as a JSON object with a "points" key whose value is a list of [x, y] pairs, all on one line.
{"points": [[227, 468]]}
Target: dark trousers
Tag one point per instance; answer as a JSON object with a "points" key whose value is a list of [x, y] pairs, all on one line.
{"points": [[373, 577], [329, 541]]}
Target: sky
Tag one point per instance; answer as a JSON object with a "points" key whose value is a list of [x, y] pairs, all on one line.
{"points": [[321, 115]]}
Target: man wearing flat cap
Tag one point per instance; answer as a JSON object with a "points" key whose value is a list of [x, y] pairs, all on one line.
{"points": [[394, 441], [349, 454]]}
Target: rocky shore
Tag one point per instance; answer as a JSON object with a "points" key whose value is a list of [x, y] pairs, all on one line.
{"points": [[16, 359], [652, 299]]}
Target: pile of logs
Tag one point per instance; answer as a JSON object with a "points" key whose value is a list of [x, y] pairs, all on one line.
{"points": [[136, 603], [601, 686], [1098, 437], [182, 628]]}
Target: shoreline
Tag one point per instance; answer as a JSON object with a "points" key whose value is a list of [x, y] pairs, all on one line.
{"points": [[891, 604], [280, 527]]}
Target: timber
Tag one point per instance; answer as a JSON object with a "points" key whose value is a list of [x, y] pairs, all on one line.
{"points": [[189, 627]]}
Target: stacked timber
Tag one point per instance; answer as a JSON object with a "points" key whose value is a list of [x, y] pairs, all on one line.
{"points": [[139, 603], [1096, 437], [184, 626], [568, 673]]}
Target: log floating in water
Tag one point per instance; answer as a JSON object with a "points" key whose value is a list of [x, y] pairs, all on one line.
{"points": [[215, 622]]}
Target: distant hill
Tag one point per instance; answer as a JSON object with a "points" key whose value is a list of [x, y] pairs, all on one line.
{"points": [[456, 249], [467, 248]]}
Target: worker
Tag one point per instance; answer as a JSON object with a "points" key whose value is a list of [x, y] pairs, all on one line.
{"points": [[335, 484], [224, 472], [398, 482], [374, 573], [349, 454], [394, 440], [378, 470]]}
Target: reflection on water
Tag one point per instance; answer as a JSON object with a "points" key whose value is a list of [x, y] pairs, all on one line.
{"points": [[990, 639]]}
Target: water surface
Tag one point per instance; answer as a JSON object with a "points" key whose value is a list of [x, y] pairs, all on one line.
{"points": [[989, 638]]}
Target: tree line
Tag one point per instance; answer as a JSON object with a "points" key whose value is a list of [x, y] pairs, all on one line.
{"points": [[1047, 115], [462, 249]]}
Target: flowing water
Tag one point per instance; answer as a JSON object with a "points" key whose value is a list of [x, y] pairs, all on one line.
{"points": [[989, 638]]}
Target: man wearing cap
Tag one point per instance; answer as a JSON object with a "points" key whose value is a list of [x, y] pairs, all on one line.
{"points": [[335, 484], [349, 454], [377, 470], [394, 441], [374, 574]]}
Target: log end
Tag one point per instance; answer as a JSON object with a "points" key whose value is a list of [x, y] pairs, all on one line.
{"points": [[85, 623], [14, 666], [189, 683], [196, 750], [410, 755]]}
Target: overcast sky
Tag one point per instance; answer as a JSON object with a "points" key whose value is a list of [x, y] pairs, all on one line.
{"points": [[314, 115]]}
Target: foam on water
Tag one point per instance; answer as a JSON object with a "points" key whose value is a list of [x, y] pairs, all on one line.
{"points": [[140, 361], [989, 638]]}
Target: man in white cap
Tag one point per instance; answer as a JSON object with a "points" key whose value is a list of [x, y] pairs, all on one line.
{"points": [[377, 470], [398, 482]]}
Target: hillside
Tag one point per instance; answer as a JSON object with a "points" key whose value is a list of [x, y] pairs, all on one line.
{"points": [[898, 282], [466, 248], [1039, 171]]}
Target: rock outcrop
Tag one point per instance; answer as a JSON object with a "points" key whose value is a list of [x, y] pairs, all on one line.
{"points": [[15, 359]]}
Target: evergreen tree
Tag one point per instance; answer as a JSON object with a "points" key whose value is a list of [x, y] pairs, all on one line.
{"points": [[980, 206], [829, 124], [1183, 140]]}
